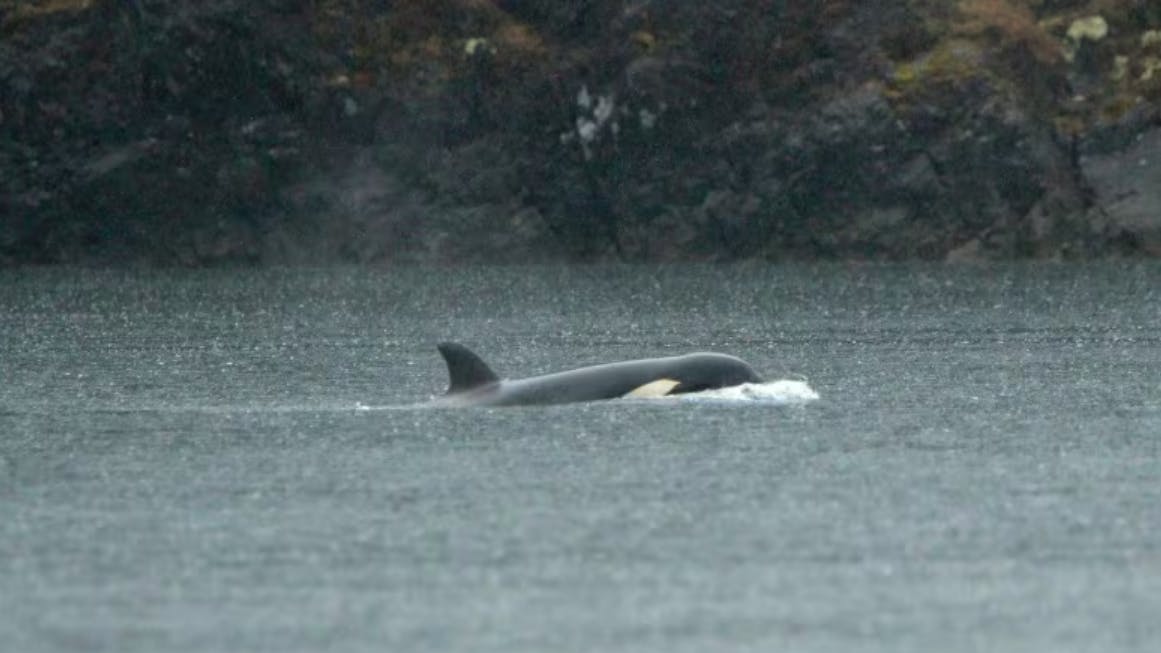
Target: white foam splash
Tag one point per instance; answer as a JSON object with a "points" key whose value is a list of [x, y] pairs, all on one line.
{"points": [[782, 391]]}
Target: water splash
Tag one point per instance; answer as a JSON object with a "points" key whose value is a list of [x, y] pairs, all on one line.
{"points": [[782, 391]]}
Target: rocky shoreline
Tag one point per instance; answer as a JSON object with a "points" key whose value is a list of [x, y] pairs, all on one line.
{"points": [[446, 131]]}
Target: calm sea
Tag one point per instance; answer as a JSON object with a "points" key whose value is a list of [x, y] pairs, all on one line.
{"points": [[236, 461]]}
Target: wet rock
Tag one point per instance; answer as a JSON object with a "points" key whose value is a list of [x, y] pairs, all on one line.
{"points": [[377, 214], [1126, 188]]}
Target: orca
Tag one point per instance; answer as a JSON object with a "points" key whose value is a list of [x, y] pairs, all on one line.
{"points": [[473, 383]]}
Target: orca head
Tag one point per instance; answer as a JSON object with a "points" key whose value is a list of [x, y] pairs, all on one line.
{"points": [[708, 371]]}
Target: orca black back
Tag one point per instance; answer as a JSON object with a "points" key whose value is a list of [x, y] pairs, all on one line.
{"points": [[472, 382]]}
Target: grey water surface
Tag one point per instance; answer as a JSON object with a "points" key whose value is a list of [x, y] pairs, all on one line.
{"points": [[236, 461]]}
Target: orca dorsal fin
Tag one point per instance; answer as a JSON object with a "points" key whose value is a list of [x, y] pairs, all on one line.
{"points": [[465, 369]]}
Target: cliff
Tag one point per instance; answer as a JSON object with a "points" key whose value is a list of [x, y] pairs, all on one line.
{"points": [[288, 131]]}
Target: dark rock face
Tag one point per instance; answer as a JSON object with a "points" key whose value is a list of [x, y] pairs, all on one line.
{"points": [[450, 131], [1126, 185], [147, 131]]}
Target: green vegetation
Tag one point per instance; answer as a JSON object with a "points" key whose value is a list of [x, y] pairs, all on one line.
{"points": [[1082, 64]]}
